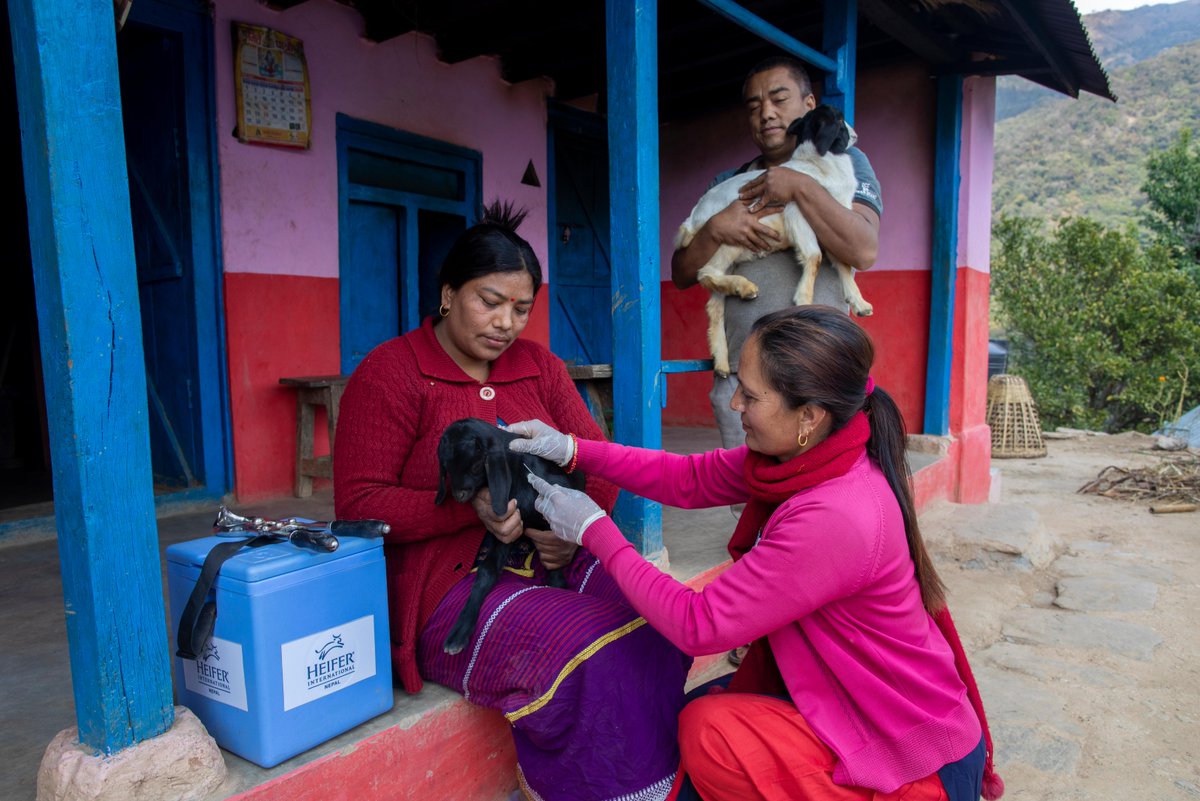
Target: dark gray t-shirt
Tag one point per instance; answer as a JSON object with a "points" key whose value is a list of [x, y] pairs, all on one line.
{"points": [[778, 273]]}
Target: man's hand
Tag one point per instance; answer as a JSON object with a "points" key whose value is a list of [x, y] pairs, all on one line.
{"points": [[505, 528], [777, 186], [738, 225], [552, 551]]}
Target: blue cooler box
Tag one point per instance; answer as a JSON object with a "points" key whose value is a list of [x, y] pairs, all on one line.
{"points": [[300, 651]]}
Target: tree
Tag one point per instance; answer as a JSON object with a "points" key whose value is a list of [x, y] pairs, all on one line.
{"points": [[1094, 319], [1173, 190]]}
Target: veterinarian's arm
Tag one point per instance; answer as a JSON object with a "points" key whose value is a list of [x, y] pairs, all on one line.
{"points": [[792, 571], [851, 235], [733, 226], [698, 481]]}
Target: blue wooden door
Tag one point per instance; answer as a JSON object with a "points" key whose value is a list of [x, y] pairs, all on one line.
{"points": [[153, 103], [403, 200], [371, 288], [581, 296]]}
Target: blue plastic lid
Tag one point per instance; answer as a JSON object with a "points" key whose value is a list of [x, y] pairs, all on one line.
{"points": [[267, 561]]}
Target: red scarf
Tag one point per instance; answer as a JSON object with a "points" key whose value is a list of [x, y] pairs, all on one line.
{"points": [[772, 482]]}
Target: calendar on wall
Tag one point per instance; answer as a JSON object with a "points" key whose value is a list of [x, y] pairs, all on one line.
{"points": [[274, 105]]}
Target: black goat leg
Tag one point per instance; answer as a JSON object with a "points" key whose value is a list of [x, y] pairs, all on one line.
{"points": [[555, 578], [493, 555]]}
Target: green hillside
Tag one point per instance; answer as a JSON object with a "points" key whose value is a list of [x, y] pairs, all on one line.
{"points": [[1087, 156], [1120, 39]]}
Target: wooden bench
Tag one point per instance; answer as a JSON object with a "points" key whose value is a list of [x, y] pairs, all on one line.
{"points": [[311, 392], [595, 381]]}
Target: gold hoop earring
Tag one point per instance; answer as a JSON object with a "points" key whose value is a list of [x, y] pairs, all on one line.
{"points": [[802, 440], [444, 310]]}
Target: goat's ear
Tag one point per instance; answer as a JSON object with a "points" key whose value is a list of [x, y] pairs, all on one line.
{"points": [[441, 493], [827, 131], [796, 129], [841, 142], [499, 480]]}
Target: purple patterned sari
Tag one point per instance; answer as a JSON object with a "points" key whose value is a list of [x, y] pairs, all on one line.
{"points": [[592, 692]]}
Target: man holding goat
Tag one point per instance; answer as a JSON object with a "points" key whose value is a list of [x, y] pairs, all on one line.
{"points": [[777, 92]]}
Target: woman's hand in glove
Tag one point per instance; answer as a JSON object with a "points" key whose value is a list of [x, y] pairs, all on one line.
{"points": [[542, 440], [568, 511]]}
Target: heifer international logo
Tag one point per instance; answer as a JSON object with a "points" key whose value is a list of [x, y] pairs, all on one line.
{"points": [[211, 675], [217, 673], [336, 642], [329, 669], [327, 661]]}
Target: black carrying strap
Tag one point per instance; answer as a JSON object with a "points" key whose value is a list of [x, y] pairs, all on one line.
{"points": [[200, 615]]}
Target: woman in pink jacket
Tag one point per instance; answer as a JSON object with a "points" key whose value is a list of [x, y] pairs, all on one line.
{"points": [[855, 686]]}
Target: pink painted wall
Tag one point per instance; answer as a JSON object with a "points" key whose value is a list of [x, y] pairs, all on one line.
{"points": [[279, 207], [975, 195]]}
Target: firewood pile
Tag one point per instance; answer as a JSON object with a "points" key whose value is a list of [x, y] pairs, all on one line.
{"points": [[1173, 482]]}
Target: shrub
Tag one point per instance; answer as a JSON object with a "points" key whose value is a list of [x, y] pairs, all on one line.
{"points": [[1094, 319]]}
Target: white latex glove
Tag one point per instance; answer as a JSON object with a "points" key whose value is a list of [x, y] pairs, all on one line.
{"points": [[542, 440], [568, 511]]}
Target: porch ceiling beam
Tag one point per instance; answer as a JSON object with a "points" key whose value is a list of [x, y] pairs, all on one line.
{"points": [[909, 31], [1036, 37], [89, 322], [760, 27]]}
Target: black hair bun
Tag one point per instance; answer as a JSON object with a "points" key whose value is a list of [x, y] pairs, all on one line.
{"points": [[504, 214]]}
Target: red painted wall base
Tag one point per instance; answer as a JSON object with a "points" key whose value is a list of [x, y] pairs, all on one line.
{"points": [[899, 329]]}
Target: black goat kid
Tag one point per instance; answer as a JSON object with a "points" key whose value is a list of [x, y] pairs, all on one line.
{"points": [[474, 454]]}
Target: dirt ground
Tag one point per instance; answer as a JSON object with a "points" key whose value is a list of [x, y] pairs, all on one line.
{"points": [[1080, 617]]}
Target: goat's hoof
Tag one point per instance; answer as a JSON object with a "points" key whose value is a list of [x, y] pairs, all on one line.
{"points": [[745, 289], [453, 648]]}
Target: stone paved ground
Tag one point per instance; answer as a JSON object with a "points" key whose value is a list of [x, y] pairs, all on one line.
{"points": [[1080, 617]]}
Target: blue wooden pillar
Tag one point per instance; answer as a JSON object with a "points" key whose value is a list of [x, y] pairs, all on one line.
{"points": [[89, 321], [841, 44], [946, 182], [632, 92]]}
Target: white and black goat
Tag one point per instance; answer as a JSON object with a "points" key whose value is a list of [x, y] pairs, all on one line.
{"points": [[822, 139], [474, 454]]}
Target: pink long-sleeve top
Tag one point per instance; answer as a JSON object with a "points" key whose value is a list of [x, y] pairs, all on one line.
{"points": [[831, 584]]}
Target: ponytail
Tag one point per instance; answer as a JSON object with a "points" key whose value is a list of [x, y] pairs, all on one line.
{"points": [[815, 354], [886, 447]]}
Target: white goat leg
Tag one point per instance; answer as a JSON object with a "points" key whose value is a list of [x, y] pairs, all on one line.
{"points": [[717, 343], [808, 280], [719, 283], [858, 304]]}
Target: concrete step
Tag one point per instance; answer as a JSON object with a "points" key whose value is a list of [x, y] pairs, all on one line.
{"points": [[433, 746]]}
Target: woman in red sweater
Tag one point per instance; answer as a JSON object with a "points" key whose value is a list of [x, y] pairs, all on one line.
{"points": [[592, 693]]}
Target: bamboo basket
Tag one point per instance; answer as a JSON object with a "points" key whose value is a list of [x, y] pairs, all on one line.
{"points": [[1013, 417]]}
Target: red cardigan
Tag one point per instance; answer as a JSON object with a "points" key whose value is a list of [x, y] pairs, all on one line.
{"points": [[394, 410]]}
